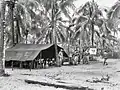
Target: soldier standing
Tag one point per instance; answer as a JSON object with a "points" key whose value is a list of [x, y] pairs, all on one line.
{"points": [[60, 57], [105, 58]]}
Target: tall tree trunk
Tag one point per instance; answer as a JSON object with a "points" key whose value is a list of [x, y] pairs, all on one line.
{"points": [[113, 45], [2, 52], [103, 44], [16, 36], [92, 24], [12, 21], [92, 38], [54, 32], [55, 43], [26, 39], [18, 29], [56, 51], [68, 41]]}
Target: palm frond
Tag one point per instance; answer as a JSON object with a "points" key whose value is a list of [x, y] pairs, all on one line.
{"points": [[81, 19], [98, 34]]}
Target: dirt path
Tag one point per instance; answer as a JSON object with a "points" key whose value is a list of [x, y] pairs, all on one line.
{"points": [[80, 75]]}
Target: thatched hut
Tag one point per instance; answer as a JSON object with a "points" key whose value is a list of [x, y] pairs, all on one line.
{"points": [[30, 54]]}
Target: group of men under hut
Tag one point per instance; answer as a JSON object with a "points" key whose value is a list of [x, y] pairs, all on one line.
{"points": [[76, 58], [73, 59]]}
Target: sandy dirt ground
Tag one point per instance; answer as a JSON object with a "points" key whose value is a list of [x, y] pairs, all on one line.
{"points": [[80, 75]]}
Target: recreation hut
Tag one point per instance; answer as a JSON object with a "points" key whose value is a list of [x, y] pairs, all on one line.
{"points": [[30, 55]]}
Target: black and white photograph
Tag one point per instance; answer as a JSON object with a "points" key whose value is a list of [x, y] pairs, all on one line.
{"points": [[59, 44]]}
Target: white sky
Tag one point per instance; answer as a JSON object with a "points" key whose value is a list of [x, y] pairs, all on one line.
{"points": [[107, 3]]}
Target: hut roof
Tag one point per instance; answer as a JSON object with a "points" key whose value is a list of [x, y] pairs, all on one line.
{"points": [[28, 52], [24, 47], [25, 52]]}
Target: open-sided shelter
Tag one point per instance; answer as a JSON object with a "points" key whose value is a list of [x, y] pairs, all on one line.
{"points": [[31, 52]]}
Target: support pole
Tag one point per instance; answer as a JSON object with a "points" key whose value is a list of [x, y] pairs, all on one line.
{"points": [[20, 64], [12, 65]]}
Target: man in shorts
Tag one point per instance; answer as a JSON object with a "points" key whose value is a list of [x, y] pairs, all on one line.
{"points": [[105, 58]]}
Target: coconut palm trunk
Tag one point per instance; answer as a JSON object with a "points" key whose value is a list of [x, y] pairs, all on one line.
{"points": [[11, 5], [2, 53], [68, 42], [56, 52], [18, 29], [92, 24], [54, 32], [92, 38]]}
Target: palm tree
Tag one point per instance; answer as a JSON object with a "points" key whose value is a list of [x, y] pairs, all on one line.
{"points": [[27, 19], [89, 17], [113, 18], [2, 53], [84, 23], [55, 29], [23, 14]]}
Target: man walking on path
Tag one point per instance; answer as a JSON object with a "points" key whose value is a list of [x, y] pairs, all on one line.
{"points": [[105, 58]]}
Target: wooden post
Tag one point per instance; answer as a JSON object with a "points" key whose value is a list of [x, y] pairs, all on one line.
{"points": [[12, 65], [37, 64], [41, 62], [34, 64], [20, 64], [30, 65]]}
